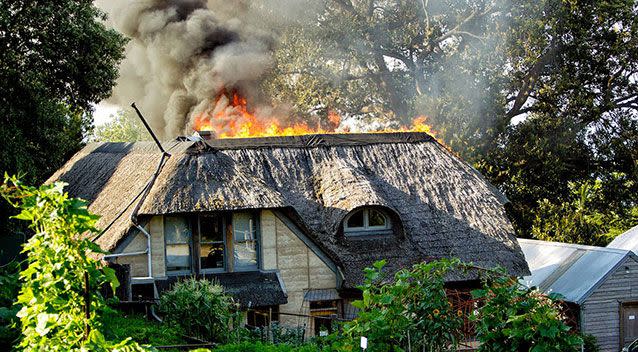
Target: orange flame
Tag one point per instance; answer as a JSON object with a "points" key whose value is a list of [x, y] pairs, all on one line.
{"points": [[231, 118]]}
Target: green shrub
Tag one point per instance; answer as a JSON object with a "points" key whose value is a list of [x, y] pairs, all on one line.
{"points": [[117, 326], [200, 308], [60, 262], [9, 322], [515, 318], [590, 343], [264, 347], [411, 312]]}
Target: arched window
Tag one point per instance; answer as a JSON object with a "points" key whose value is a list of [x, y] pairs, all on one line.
{"points": [[367, 221]]}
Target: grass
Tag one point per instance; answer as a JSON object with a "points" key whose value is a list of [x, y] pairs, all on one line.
{"points": [[117, 326]]}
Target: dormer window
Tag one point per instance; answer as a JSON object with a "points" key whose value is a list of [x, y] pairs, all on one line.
{"points": [[367, 221]]}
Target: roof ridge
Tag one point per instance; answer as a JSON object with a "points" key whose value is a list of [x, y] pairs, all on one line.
{"points": [[575, 246]]}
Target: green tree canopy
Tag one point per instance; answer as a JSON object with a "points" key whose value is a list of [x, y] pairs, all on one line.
{"points": [[124, 127], [57, 59], [537, 94]]}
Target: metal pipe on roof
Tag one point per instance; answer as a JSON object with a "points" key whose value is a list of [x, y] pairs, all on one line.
{"points": [[148, 128]]}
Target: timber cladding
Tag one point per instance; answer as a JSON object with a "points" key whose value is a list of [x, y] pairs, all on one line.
{"points": [[601, 312], [300, 268]]}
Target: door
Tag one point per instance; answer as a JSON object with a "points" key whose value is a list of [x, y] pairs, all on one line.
{"points": [[629, 322]]}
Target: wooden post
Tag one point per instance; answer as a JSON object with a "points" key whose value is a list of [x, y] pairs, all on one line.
{"points": [[87, 305]]}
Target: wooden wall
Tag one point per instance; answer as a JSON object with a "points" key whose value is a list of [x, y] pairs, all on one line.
{"points": [[600, 313], [299, 267], [138, 263]]}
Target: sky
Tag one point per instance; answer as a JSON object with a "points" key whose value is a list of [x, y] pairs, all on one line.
{"points": [[104, 113]]}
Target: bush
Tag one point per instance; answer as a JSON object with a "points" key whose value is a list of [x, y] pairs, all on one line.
{"points": [[117, 326], [590, 343], [263, 347], [200, 308], [412, 312], [515, 318], [9, 322], [61, 261]]}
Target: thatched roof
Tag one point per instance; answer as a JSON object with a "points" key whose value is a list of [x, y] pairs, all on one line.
{"points": [[447, 209]]}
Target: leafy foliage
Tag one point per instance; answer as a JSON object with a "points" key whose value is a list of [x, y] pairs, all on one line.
{"points": [[585, 217], [57, 59], [117, 326], [200, 308], [411, 311], [9, 323], [517, 319], [60, 264], [264, 347], [124, 127]]}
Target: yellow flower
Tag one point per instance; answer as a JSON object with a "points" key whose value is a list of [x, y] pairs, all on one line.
{"points": [[459, 313], [436, 312]]}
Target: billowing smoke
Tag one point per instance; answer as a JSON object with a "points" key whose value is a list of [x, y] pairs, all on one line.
{"points": [[182, 54]]}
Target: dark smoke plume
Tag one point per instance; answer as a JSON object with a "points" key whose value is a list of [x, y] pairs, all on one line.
{"points": [[182, 54]]}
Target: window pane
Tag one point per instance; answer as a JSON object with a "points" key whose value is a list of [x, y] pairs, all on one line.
{"points": [[376, 218], [177, 257], [245, 246], [356, 220], [211, 228], [176, 230], [212, 255], [243, 227]]}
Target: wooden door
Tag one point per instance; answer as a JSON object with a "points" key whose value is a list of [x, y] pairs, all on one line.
{"points": [[629, 323]]}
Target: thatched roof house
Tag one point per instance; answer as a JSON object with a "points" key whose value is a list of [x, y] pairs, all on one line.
{"points": [[438, 205]]}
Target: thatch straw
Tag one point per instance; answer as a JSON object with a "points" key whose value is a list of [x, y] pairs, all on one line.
{"points": [[446, 208]]}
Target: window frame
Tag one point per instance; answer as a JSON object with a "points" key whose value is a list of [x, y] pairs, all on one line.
{"points": [[224, 268], [189, 243], [256, 239], [367, 230]]}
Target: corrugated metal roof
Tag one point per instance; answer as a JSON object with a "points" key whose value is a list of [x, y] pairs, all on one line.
{"points": [[627, 240], [571, 270]]}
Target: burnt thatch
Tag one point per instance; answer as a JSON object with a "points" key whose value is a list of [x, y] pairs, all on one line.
{"points": [[446, 208]]}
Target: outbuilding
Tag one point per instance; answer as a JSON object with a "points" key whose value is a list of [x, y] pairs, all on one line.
{"points": [[599, 284]]}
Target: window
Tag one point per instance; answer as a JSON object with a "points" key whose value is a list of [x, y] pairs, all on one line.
{"points": [[217, 236], [177, 234], [211, 243], [244, 242], [367, 221]]}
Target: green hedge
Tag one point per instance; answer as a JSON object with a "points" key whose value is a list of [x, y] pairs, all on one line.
{"points": [[261, 347]]}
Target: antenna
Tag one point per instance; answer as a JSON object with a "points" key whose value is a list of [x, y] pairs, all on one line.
{"points": [[148, 128]]}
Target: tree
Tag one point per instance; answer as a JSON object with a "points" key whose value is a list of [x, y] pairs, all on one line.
{"points": [[124, 127], [394, 60], [57, 59], [536, 94], [580, 219]]}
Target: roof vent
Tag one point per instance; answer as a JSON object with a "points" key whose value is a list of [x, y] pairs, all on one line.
{"points": [[206, 135], [198, 136]]}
